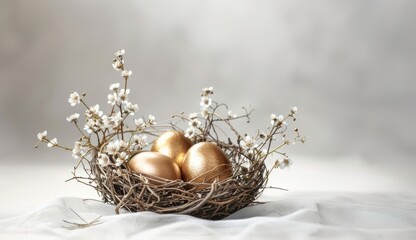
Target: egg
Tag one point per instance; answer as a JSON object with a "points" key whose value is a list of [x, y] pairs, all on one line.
{"points": [[205, 162], [154, 164], [173, 144]]}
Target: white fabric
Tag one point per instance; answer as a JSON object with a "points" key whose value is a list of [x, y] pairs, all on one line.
{"points": [[290, 216]]}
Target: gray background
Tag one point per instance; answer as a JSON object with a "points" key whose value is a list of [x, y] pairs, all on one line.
{"points": [[349, 66]]}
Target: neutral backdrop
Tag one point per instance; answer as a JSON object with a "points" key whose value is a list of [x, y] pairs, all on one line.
{"points": [[349, 66]]}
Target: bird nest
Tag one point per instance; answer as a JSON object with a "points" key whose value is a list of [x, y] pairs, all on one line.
{"points": [[107, 143], [134, 192]]}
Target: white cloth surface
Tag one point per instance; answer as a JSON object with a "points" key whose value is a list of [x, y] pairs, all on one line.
{"points": [[292, 215]]}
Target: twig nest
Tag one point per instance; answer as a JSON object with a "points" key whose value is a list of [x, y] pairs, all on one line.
{"points": [[204, 162], [154, 164]]}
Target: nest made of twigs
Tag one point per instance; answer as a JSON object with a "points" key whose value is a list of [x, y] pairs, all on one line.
{"points": [[137, 192]]}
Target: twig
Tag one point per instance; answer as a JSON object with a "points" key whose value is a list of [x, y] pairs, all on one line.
{"points": [[86, 224]]}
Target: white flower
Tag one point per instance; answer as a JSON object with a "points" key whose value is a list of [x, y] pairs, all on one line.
{"points": [[122, 144], [131, 108], [73, 117], [77, 151], [141, 125], [152, 120], [191, 133], [120, 53], [74, 99], [204, 112], [276, 120], [91, 126], [94, 112], [112, 98], [193, 115], [195, 123], [103, 159], [140, 141], [285, 163], [205, 102], [113, 148], [52, 143], [42, 135], [112, 121], [126, 73], [117, 64], [116, 118], [105, 122], [294, 110], [207, 91], [123, 95], [231, 115], [116, 146], [114, 86], [122, 157], [248, 142]]}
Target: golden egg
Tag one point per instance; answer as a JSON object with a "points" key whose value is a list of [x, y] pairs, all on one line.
{"points": [[173, 144], [154, 164], [205, 162]]}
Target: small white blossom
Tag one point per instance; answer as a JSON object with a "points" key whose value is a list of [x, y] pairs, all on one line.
{"points": [[205, 102], [195, 123], [103, 159], [91, 126], [140, 141], [114, 86], [126, 73], [152, 120], [113, 148], [191, 133], [248, 142], [131, 108], [74, 99], [52, 143], [204, 112], [117, 64], [231, 115], [112, 99], [122, 157], [42, 135], [207, 91], [72, 118], [122, 144], [77, 151], [116, 119], [113, 121], [141, 125], [120, 53], [93, 112], [123, 96], [193, 115], [276, 119], [105, 122], [116, 146], [294, 110], [286, 163]]}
